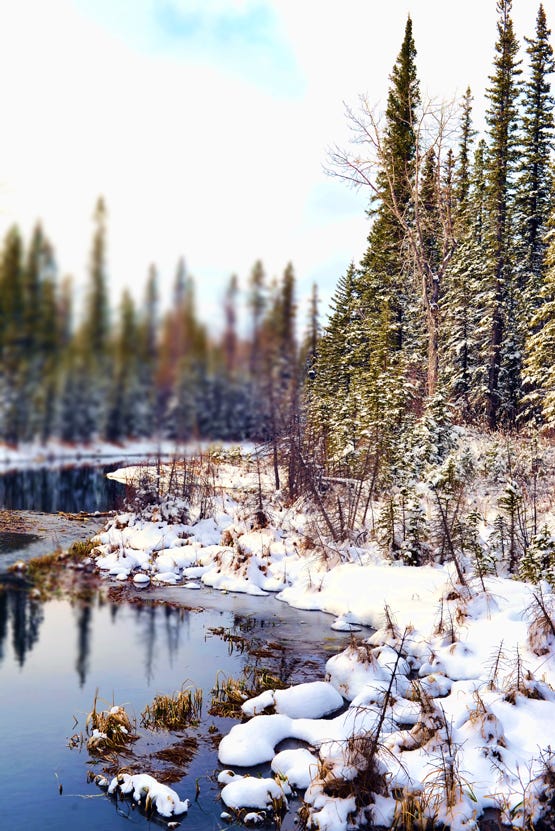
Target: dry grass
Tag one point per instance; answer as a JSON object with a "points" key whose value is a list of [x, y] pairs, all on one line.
{"points": [[521, 681], [229, 694], [361, 752], [414, 811], [173, 712], [541, 629], [235, 643], [109, 731], [79, 550]]}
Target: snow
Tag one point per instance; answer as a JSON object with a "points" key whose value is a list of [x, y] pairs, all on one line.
{"points": [[252, 792], [454, 675], [310, 700], [142, 786], [298, 766]]}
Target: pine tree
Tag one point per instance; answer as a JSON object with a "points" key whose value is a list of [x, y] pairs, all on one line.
{"points": [[147, 409], [502, 120], [535, 203], [230, 333], [464, 161], [42, 337], [535, 186], [431, 256], [92, 343], [257, 305], [97, 323], [539, 370], [183, 367], [12, 342], [257, 302], [466, 333], [309, 349], [385, 259], [337, 403], [122, 397], [49, 347]]}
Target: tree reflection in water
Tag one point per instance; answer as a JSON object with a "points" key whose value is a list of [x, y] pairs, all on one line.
{"points": [[25, 615], [84, 621], [71, 489], [22, 615]]}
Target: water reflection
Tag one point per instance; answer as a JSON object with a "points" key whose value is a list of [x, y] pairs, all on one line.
{"points": [[84, 621], [25, 614], [15, 541], [70, 489], [126, 653], [22, 615], [175, 620]]}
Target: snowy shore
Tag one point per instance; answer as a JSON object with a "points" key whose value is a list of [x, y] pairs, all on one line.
{"points": [[451, 703]]}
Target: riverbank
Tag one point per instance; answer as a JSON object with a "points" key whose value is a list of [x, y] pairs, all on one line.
{"points": [[451, 703], [25, 535]]}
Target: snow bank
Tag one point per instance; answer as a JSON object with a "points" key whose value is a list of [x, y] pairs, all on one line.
{"points": [[145, 788], [311, 700], [480, 690], [252, 792]]}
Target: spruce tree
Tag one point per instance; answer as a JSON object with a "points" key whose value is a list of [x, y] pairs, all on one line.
{"points": [[535, 204], [147, 410], [122, 397], [97, 323], [230, 333], [338, 395], [464, 160], [49, 346], [466, 330], [12, 341], [502, 121], [539, 369], [92, 344], [535, 186], [309, 349], [385, 259], [257, 305], [42, 337]]}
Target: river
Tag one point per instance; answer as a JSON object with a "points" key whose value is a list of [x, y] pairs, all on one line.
{"points": [[44, 508], [55, 655]]}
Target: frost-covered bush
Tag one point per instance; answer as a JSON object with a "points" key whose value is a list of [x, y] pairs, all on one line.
{"points": [[402, 529], [538, 561], [474, 546], [433, 436]]}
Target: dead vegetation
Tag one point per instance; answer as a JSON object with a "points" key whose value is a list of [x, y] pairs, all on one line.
{"points": [[228, 694], [173, 712], [109, 731], [175, 760], [58, 573], [235, 643], [541, 629]]}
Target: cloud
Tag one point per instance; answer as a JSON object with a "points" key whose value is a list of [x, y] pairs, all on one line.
{"points": [[242, 37], [252, 25]]}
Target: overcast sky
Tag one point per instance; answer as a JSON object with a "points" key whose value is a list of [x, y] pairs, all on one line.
{"points": [[205, 123]]}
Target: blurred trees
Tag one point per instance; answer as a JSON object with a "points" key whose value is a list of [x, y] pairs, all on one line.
{"points": [[139, 372]]}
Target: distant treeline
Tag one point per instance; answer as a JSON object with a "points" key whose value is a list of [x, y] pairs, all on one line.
{"points": [[147, 373]]}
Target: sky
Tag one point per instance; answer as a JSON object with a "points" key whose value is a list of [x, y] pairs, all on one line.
{"points": [[205, 125]]}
